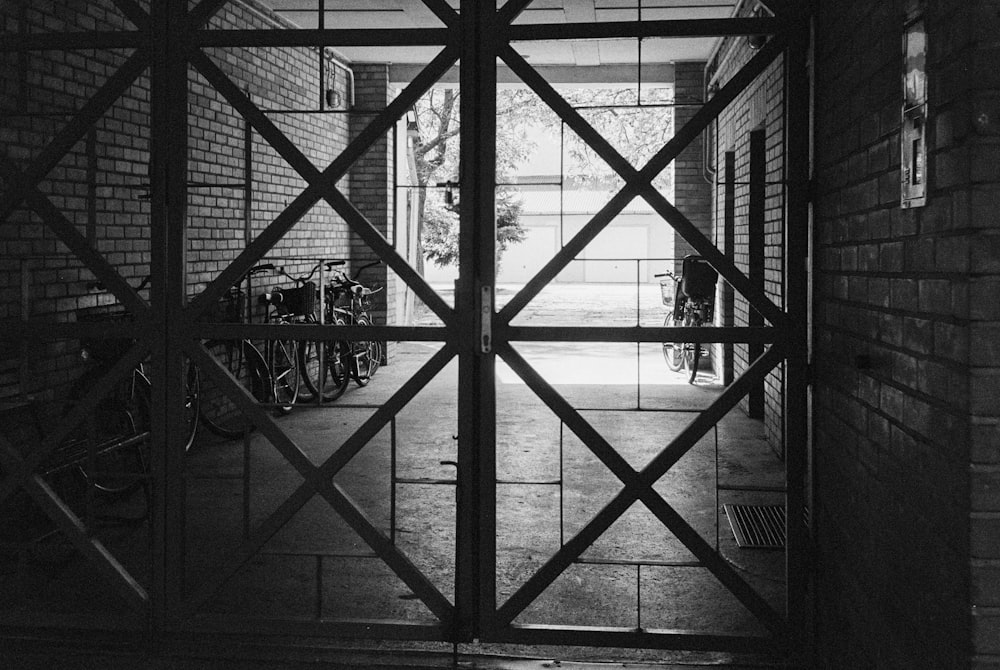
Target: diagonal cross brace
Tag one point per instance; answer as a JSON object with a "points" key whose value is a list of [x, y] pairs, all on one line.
{"points": [[322, 185], [76, 531], [443, 11], [73, 131], [318, 480], [26, 468], [639, 182], [638, 486], [78, 244]]}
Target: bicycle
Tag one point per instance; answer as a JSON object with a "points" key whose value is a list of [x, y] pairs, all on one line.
{"points": [[242, 360], [105, 352], [691, 297], [365, 356], [322, 369]]}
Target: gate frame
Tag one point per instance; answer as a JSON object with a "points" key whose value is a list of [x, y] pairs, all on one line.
{"points": [[169, 328]]}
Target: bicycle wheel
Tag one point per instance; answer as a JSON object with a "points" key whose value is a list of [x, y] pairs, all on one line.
{"points": [[284, 368], [674, 353], [695, 354], [116, 435], [332, 380], [216, 409], [192, 402], [366, 357]]}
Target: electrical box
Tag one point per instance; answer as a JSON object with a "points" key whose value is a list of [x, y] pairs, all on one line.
{"points": [[913, 140]]}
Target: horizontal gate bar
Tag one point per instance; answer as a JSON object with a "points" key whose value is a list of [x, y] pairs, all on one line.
{"points": [[625, 29], [315, 332], [385, 629], [303, 37], [645, 638], [131, 39], [637, 334]]}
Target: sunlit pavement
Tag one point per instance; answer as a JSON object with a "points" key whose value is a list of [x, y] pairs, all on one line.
{"points": [[589, 363]]}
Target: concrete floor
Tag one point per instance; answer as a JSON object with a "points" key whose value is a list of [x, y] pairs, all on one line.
{"points": [[316, 566]]}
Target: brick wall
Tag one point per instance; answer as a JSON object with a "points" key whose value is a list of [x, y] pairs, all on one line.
{"points": [[906, 362], [760, 107], [692, 193], [102, 185], [372, 186]]}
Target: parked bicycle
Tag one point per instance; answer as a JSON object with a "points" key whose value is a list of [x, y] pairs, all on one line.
{"points": [[323, 366], [355, 299], [126, 400], [242, 359], [691, 297]]}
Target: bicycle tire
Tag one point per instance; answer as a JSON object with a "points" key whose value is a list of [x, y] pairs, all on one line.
{"points": [[366, 357], [116, 435], [192, 404], [332, 381], [283, 366], [674, 353], [217, 410], [693, 353]]}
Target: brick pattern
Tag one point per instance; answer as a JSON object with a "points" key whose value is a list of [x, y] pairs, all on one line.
{"points": [[692, 193], [759, 107], [101, 186], [372, 187], [904, 352]]}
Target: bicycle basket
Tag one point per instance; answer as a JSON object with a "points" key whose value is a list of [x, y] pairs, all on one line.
{"points": [[110, 348], [667, 288], [299, 301], [698, 278]]}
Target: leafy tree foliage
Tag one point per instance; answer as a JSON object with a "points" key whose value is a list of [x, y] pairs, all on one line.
{"points": [[635, 131]]}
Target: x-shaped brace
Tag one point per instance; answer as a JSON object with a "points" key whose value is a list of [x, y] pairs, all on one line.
{"points": [[639, 182], [638, 485], [318, 480]]}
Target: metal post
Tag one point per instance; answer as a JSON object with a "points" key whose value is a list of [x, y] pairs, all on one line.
{"points": [[796, 422], [755, 223], [729, 248], [168, 177], [475, 579]]}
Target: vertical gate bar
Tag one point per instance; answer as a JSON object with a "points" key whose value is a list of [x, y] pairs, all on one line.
{"points": [[638, 596], [23, 369], [319, 586], [755, 224], [392, 480], [797, 176], [717, 538], [168, 183], [92, 186], [246, 484], [729, 249], [562, 486], [321, 24], [475, 576], [638, 346], [247, 182]]}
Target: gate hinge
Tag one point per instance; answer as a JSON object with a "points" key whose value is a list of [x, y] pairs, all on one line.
{"points": [[485, 320]]}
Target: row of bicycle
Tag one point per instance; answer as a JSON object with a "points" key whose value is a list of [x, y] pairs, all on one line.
{"points": [[286, 372], [279, 373]]}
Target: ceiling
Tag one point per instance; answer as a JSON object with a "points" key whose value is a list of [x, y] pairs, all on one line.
{"points": [[590, 53]]}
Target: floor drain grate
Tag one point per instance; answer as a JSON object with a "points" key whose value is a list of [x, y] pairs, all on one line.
{"points": [[757, 526]]}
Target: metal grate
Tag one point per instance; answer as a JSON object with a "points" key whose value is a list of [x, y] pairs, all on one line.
{"points": [[757, 526]]}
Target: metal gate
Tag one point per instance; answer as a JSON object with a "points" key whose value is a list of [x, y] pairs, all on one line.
{"points": [[169, 39]]}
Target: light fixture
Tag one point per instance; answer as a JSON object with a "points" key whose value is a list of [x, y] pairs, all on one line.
{"points": [[755, 42]]}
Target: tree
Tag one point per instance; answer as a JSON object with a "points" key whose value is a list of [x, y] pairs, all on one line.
{"points": [[636, 132]]}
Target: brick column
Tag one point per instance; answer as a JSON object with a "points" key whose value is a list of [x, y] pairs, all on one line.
{"points": [[692, 193], [371, 187]]}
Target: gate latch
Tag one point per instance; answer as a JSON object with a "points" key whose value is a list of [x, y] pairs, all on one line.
{"points": [[485, 319]]}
